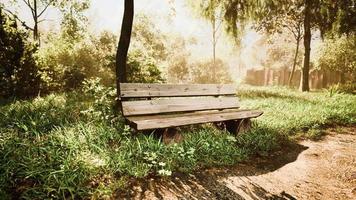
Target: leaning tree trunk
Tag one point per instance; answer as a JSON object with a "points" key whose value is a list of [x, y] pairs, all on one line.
{"points": [[123, 46], [307, 39], [294, 63]]}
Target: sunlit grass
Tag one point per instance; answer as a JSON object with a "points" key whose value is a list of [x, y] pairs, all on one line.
{"points": [[67, 145], [291, 112]]}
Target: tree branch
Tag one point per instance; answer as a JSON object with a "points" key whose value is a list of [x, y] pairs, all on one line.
{"points": [[218, 26], [46, 7], [17, 18], [30, 6], [42, 20]]}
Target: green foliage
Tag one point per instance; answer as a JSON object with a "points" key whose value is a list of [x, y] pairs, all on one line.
{"points": [[348, 88], [148, 50], [337, 16], [64, 65], [260, 140], [178, 64], [147, 38], [74, 21], [203, 72], [178, 70], [66, 62], [104, 100], [338, 54], [142, 68], [18, 71], [280, 54], [326, 15]]}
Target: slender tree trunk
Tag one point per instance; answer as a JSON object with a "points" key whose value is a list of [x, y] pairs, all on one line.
{"points": [[123, 46], [342, 77], [213, 22], [307, 40], [342, 73], [294, 63], [35, 19]]}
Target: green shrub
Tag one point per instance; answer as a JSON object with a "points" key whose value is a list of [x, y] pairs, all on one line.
{"points": [[19, 74]]}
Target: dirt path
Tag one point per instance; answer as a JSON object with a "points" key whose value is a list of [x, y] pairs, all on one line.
{"points": [[324, 169]]}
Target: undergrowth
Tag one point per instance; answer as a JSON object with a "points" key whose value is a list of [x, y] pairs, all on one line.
{"points": [[71, 146]]}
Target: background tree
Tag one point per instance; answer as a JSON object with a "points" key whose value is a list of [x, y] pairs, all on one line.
{"points": [[203, 73], [148, 38], [290, 20], [338, 54], [210, 10], [74, 22], [37, 8], [142, 68], [178, 64], [19, 76], [321, 14]]}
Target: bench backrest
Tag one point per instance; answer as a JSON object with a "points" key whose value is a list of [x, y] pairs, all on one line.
{"points": [[146, 99]]}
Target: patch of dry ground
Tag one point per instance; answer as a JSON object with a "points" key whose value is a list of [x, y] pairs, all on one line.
{"points": [[324, 169]]}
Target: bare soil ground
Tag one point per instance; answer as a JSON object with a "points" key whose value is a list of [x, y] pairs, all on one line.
{"points": [[324, 169]]}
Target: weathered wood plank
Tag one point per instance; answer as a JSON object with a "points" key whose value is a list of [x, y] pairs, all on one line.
{"points": [[177, 105], [154, 122], [130, 90], [187, 114]]}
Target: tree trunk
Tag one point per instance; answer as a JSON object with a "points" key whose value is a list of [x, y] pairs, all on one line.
{"points": [[213, 22], [307, 40], [294, 63], [123, 46], [35, 19], [342, 77]]}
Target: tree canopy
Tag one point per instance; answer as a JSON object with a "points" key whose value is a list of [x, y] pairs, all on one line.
{"points": [[324, 15]]}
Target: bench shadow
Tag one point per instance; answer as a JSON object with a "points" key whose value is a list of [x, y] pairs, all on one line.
{"points": [[208, 184]]}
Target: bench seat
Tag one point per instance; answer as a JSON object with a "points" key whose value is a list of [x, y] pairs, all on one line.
{"points": [[182, 119], [165, 106]]}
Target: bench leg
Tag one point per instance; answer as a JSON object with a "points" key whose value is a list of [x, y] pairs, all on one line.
{"points": [[219, 125], [238, 126], [244, 125], [171, 135]]}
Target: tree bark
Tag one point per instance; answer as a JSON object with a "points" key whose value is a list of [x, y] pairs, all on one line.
{"points": [[35, 19], [123, 46], [307, 40], [294, 63]]}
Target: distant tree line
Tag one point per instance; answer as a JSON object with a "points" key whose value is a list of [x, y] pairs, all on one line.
{"points": [[301, 17], [63, 60]]}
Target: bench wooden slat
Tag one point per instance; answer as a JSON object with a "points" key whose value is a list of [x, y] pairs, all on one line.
{"points": [[157, 106], [136, 90], [173, 120]]}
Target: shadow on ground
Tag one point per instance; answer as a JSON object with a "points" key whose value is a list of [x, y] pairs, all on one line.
{"points": [[207, 184]]}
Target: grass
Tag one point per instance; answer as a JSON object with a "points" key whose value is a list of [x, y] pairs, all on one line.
{"points": [[70, 146], [293, 113]]}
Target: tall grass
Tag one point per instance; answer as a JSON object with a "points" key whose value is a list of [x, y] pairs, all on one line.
{"points": [[71, 146], [290, 112]]}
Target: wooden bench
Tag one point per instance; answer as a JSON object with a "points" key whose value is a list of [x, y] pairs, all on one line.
{"points": [[162, 106]]}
